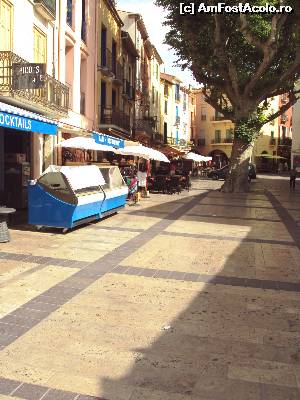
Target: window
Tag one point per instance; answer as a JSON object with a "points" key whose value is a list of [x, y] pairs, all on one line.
{"points": [[70, 12], [166, 90], [113, 98], [6, 22], [203, 114], [153, 95], [272, 134], [114, 56], [177, 92], [165, 132], [217, 136], [157, 71], [166, 107], [40, 46], [229, 134], [103, 45]]}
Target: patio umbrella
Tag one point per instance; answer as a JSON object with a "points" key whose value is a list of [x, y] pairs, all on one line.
{"points": [[85, 143], [144, 152], [272, 157]]}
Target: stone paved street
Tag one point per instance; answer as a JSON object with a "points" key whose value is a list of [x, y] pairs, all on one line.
{"points": [[186, 297]]}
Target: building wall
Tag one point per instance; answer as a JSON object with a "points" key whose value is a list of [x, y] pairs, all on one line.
{"points": [[295, 151], [209, 142], [25, 20], [155, 93]]}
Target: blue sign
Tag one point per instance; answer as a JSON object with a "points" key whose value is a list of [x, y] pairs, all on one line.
{"points": [[107, 140], [26, 124]]}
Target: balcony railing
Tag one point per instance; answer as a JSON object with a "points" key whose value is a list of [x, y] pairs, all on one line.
{"points": [[159, 138], [106, 62], [118, 71], [53, 97], [46, 7], [128, 90], [82, 103], [171, 140], [220, 141], [112, 116], [285, 142], [144, 125]]}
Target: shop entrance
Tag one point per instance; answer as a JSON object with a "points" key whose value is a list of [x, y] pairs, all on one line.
{"points": [[15, 167]]}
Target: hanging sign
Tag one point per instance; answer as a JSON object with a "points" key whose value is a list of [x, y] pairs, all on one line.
{"points": [[107, 140], [28, 76]]}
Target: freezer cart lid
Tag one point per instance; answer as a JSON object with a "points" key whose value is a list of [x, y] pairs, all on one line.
{"points": [[79, 177]]}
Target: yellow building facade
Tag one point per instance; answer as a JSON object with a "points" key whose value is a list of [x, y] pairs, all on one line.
{"points": [[214, 133]]}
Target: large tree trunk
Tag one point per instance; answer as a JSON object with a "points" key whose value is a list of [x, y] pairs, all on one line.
{"points": [[237, 178]]}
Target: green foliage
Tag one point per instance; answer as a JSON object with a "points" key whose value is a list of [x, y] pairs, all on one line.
{"points": [[194, 41]]}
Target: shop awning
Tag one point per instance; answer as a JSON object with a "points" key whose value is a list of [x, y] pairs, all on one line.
{"points": [[85, 143], [23, 120]]}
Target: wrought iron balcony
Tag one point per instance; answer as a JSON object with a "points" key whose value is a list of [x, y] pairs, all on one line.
{"points": [[106, 62], [144, 125], [118, 71], [128, 90], [171, 140], [47, 8], [158, 138], [285, 142], [112, 116], [53, 98]]}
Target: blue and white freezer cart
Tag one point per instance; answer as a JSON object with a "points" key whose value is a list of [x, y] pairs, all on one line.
{"points": [[115, 189], [65, 197]]}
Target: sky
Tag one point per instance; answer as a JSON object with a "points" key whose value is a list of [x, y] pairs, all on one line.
{"points": [[153, 17]]}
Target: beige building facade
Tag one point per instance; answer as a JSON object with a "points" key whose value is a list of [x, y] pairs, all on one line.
{"points": [[214, 133]]}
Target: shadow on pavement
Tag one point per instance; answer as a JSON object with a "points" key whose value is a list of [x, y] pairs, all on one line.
{"points": [[231, 341]]}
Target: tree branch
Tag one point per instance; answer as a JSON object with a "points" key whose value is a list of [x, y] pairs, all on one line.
{"points": [[269, 49], [292, 100], [229, 68]]}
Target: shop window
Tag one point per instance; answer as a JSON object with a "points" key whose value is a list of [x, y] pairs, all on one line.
{"points": [[6, 25]]}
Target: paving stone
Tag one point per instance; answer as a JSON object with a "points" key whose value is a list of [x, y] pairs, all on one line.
{"points": [[30, 392], [55, 394], [8, 385]]}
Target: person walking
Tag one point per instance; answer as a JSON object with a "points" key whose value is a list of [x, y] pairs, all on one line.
{"points": [[293, 176]]}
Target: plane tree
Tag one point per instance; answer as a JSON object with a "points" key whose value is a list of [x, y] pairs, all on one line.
{"points": [[242, 61]]}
